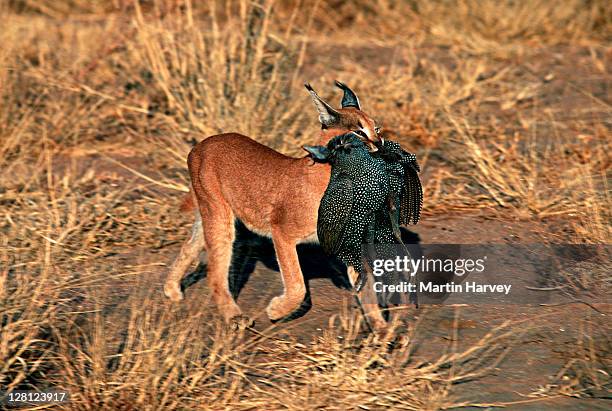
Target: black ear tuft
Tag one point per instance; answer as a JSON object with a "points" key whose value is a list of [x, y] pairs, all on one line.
{"points": [[317, 153], [349, 99]]}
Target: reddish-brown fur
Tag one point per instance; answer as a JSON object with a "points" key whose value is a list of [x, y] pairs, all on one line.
{"points": [[233, 176]]}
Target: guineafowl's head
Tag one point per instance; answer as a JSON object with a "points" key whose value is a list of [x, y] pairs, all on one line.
{"points": [[339, 149]]}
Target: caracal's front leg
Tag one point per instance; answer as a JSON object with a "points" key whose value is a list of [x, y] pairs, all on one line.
{"points": [[293, 280]]}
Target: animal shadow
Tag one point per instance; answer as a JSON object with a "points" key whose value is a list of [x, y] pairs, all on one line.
{"points": [[250, 248]]}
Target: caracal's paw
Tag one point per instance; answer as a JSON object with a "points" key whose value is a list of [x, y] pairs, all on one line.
{"points": [[282, 307], [173, 292]]}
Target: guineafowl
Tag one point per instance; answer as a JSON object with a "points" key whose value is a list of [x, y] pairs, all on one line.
{"points": [[369, 195], [355, 207]]}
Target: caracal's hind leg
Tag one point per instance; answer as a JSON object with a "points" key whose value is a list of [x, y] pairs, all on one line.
{"points": [[368, 300], [188, 254], [294, 292]]}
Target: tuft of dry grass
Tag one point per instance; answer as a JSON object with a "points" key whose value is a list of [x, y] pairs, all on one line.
{"points": [[235, 70], [28, 312], [539, 178], [587, 371], [502, 29]]}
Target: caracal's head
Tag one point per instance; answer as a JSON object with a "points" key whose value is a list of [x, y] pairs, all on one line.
{"points": [[348, 118]]}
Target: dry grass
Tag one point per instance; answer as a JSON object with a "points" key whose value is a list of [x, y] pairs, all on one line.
{"points": [[502, 29], [100, 102], [586, 372], [157, 359]]}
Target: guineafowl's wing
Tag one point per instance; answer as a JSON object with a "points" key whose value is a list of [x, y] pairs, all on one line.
{"points": [[411, 202], [412, 196], [334, 213]]}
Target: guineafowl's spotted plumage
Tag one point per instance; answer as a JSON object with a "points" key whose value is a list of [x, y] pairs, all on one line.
{"points": [[404, 206], [363, 201], [403, 170], [351, 205]]}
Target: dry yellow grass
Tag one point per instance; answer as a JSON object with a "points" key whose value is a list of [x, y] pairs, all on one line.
{"points": [[100, 102]]}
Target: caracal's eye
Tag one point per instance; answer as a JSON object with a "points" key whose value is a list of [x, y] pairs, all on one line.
{"points": [[377, 129], [361, 133]]}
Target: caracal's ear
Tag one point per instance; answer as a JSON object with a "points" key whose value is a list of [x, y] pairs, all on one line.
{"points": [[317, 153], [328, 116], [349, 99]]}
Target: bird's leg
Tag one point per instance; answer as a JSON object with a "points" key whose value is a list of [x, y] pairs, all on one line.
{"points": [[393, 214], [361, 280], [413, 297], [370, 235], [368, 302]]}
